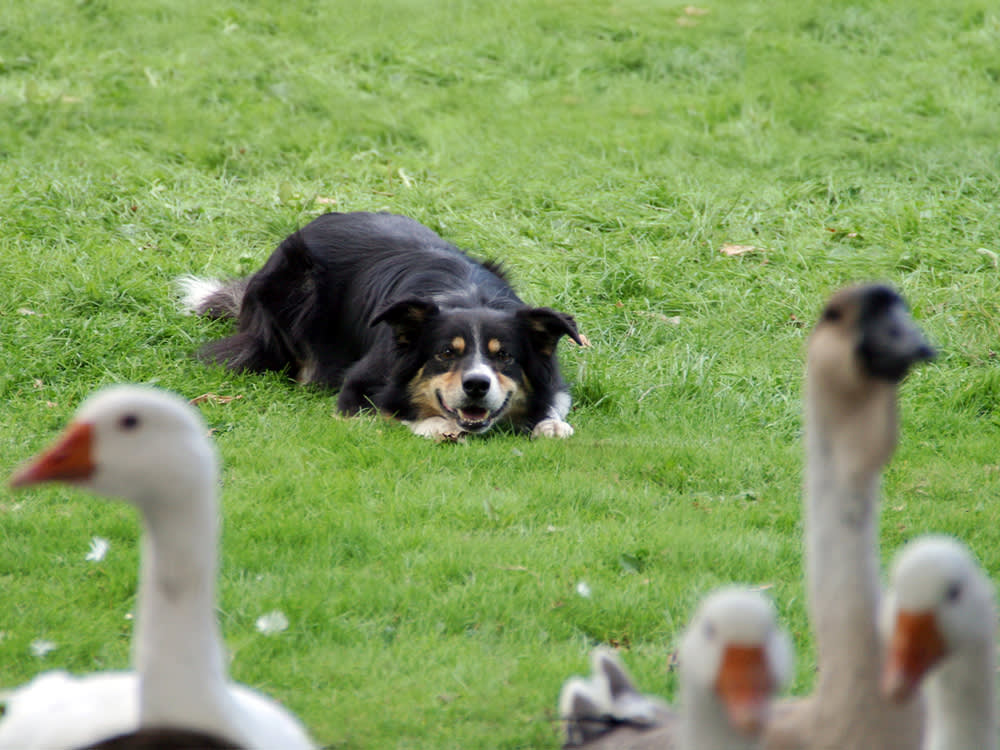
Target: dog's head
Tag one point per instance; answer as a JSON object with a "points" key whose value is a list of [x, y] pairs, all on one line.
{"points": [[473, 365]]}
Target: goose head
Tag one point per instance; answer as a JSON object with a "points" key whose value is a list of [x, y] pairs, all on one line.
{"points": [[143, 445], [939, 603], [865, 333], [734, 652], [863, 345]]}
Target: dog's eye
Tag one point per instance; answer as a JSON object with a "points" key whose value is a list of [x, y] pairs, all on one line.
{"points": [[503, 356], [445, 354]]}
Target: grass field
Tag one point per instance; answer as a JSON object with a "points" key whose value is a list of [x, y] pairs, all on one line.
{"points": [[606, 151]]}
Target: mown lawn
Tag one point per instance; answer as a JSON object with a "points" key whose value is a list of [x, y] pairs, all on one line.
{"points": [[606, 151]]}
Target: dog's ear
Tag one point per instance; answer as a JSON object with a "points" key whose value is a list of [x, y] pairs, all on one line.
{"points": [[546, 326], [406, 318], [295, 255]]}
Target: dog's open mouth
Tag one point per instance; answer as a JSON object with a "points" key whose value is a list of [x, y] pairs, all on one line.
{"points": [[472, 418]]}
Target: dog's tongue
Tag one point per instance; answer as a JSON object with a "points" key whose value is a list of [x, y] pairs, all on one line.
{"points": [[473, 414]]}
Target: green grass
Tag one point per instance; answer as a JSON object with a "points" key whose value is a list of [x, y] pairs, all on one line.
{"points": [[605, 151]]}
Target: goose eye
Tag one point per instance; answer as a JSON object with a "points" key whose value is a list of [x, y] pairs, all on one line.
{"points": [[953, 593], [128, 422], [709, 631]]}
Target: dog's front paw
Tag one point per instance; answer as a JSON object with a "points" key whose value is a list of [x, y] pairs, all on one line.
{"points": [[438, 429], [555, 428]]}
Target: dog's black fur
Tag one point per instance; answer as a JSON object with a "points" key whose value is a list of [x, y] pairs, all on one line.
{"points": [[384, 309]]}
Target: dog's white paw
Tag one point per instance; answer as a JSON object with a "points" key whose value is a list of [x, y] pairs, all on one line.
{"points": [[438, 429], [555, 428]]}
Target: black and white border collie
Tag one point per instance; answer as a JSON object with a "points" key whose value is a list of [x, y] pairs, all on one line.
{"points": [[384, 309]]}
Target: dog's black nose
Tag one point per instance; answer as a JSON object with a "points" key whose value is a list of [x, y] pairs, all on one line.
{"points": [[475, 386]]}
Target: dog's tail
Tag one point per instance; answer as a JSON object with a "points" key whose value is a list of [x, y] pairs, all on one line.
{"points": [[210, 297]]}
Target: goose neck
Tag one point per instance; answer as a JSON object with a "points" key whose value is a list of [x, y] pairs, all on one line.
{"points": [[961, 702], [704, 724], [848, 441], [179, 654]]}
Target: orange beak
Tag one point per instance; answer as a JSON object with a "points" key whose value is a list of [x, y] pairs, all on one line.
{"points": [[68, 459], [916, 646], [745, 687]]}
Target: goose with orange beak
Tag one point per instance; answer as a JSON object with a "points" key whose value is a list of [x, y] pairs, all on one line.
{"points": [[151, 449], [939, 623], [733, 661]]}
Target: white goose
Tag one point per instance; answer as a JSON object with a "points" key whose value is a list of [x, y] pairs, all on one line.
{"points": [[733, 660], [939, 619], [862, 347], [150, 448]]}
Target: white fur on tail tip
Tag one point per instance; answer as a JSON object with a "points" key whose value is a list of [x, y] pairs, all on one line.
{"points": [[194, 291]]}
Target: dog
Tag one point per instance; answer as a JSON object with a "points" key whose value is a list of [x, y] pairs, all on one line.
{"points": [[385, 310]]}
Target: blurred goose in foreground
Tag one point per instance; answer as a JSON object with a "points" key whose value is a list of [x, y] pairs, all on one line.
{"points": [[149, 448], [733, 660], [939, 620], [860, 350]]}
